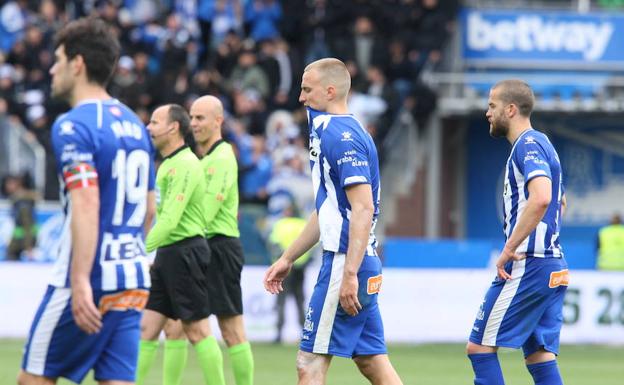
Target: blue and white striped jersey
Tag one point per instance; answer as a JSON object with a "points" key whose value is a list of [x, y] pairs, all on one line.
{"points": [[342, 153], [103, 143], [532, 155]]}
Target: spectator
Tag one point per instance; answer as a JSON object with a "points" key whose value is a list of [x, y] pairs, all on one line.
{"points": [[23, 240], [256, 172], [248, 75], [262, 17], [13, 21], [365, 47], [292, 182], [283, 234], [611, 245], [216, 19], [227, 54]]}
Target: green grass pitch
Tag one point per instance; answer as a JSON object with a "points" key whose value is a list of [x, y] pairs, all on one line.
{"points": [[417, 364]]}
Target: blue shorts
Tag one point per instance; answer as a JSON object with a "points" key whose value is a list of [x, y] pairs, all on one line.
{"points": [[328, 329], [525, 311], [56, 347]]}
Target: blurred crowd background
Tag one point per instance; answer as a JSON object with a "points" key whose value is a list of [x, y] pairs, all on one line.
{"points": [[249, 53], [421, 73]]}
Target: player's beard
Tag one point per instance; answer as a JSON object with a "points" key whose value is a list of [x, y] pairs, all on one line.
{"points": [[61, 90], [499, 127]]}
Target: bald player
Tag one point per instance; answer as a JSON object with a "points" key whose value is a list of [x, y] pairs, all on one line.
{"points": [[343, 318], [179, 289], [220, 171]]}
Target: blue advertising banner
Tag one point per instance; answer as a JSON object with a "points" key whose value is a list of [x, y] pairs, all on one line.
{"points": [[542, 39]]}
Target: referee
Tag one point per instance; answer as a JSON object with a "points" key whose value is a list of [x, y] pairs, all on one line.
{"points": [[221, 174], [179, 286]]}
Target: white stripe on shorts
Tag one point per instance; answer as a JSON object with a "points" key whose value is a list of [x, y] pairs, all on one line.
{"points": [[42, 335], [326, 321], [502, 304]]}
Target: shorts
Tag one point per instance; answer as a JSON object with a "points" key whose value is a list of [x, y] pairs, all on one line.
{"points": [[56, 347], [525, 311], [328, 329], [224, 275], [179, 285]]}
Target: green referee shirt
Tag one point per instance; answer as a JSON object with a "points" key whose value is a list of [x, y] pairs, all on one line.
{"points": [[221, 175], [180, 210]]}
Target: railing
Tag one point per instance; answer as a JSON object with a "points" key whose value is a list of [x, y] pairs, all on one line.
{"points": [[578, 5], [21, 152], [467, 92]]}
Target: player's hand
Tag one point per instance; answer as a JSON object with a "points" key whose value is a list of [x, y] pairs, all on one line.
{"points": [[276, 274], [86, 315], [349, 294], [506, 256]]}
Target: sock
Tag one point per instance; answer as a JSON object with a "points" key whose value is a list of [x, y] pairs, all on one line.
{"points": [[545, 373], [210, 360], [174, 361], [487, 369], [147, 352], [242, 363]]}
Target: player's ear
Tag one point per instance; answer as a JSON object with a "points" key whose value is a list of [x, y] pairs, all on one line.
{"points": [[77, 64], [331, 92], [176, 126]]}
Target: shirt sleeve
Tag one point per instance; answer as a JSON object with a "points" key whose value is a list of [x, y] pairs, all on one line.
{"points": [[180, 186], [532, 159], [219, 176], [74, 150], [348, 155]]}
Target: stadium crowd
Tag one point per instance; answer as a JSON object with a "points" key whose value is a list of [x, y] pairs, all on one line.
{"points": [[248, 53]]}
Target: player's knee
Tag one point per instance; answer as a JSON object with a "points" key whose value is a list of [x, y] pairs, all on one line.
{"points": [[196, 331], [540, 356], [174, 331], [146, 332], [306, 365], [24, 378], [232, 331], [472, 348], [233, 337], [20, 379], [366, 366]]}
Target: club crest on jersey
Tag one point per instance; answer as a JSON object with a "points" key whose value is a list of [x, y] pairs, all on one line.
{"points": [[115, 111], [67, 128]]}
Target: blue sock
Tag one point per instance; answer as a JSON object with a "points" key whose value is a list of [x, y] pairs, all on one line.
{"points": [[545, 373], [487, 369]]}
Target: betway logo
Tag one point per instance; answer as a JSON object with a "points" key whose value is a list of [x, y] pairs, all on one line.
{"points": [[534, 33]]}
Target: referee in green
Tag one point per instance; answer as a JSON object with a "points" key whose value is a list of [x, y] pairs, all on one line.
{"points": [[179, 284], [220, 170]]}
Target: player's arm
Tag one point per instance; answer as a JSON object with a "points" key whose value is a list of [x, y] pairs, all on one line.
{"points": [[85, 212], [564, 204], [540, 190], [309, 237], [305, 241], [150, 212], [180, 189], [362, 210]]}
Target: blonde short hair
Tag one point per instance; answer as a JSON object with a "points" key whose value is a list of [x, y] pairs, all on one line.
{"points": [[332, 72]]}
